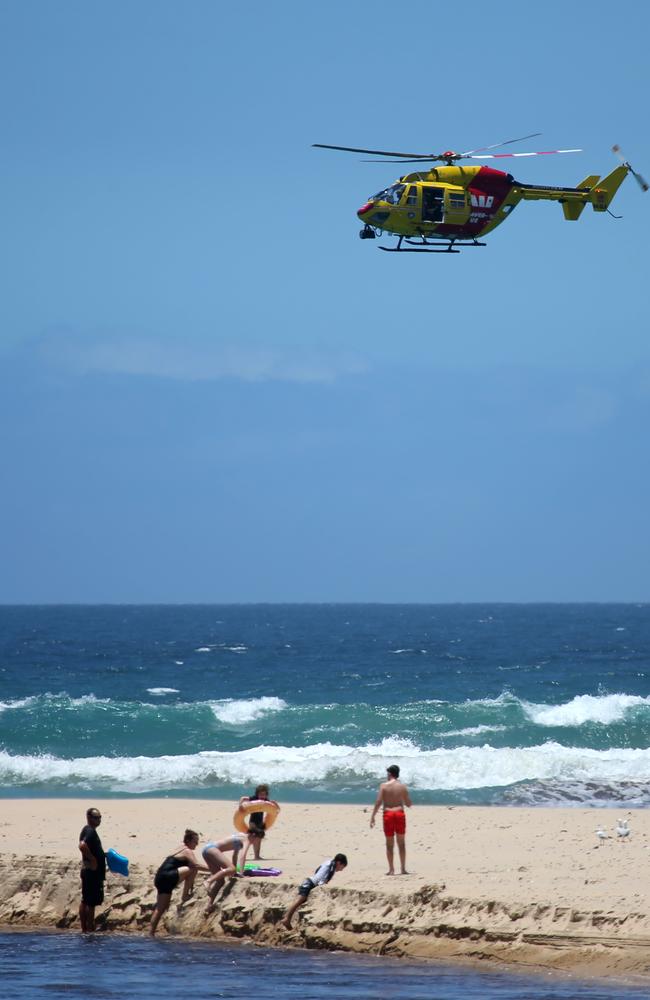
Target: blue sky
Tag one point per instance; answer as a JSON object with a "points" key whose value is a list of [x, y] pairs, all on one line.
{"points": [[212, 390]]}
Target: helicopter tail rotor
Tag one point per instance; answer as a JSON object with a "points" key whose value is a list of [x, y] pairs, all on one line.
{"points": [[643, 184]]}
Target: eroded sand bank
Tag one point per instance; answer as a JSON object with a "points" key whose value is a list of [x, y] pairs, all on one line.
{"points": [[519, 886]]}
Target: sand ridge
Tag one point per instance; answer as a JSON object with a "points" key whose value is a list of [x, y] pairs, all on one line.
{"points": [[522, 886]]}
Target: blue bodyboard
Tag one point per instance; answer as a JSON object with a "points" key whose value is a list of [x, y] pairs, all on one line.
{"points": [[117, 862]]}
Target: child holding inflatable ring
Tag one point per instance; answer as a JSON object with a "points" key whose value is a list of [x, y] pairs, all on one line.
{"points": [[260, 811]]}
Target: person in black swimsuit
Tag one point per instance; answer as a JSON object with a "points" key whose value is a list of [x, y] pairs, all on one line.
{"points": [[93, 870], [181, 866], [256, 820]]}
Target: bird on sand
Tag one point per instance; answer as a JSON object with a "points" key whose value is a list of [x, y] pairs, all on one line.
{"points": [[602, 835], [622, 830]]}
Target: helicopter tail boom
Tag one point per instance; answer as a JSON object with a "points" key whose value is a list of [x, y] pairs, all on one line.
{"points": [[591, 191], [573, 209]]}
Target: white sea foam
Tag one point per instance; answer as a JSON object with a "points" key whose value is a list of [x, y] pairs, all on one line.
{"points": [[16, 703], [237, 712], [62, 699], [505, 698], [162, 691], [463, 768], [88, 699], [474, 731], [605, 709]]}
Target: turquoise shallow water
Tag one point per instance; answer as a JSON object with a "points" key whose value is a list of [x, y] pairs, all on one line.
{"points": [[56, 967], [530, 704]]}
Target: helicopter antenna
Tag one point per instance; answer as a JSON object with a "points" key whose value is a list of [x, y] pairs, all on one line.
{"points": [[643, 184]]}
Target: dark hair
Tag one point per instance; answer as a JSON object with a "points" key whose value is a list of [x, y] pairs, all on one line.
{"points": [[95, 813], [261, 788], [394, 770], [189, 835], [256, 831], [341, 858]]}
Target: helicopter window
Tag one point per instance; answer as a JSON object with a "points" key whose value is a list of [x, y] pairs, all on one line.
{"points": [[392, 194], [412, 197]]}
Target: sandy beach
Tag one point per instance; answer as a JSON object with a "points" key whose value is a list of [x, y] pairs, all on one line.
{"points": [[510, 885]]}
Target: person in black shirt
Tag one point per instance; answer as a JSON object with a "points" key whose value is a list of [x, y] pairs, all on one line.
{"points": [[93, 870]]}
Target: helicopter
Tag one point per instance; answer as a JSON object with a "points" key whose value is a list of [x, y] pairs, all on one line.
{"points": [[441, 209]]}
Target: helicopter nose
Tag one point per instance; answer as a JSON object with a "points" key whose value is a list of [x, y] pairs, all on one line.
{"points": [[364, 208]]}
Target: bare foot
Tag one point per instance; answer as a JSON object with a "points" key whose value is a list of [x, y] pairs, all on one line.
{"points": [[286, 923], [404, 872], [391, 872]]}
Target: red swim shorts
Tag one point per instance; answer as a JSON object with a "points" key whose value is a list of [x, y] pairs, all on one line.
{"points": [[394, 822]]}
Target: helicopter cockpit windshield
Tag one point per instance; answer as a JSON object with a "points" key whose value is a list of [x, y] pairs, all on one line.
{"points": [[391, 194]]}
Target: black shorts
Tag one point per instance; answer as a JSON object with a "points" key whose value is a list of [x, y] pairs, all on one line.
{"points": [[92, 887], [306, 887], [166, 882]]}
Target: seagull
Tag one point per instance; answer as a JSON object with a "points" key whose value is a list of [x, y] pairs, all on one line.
{"points": [[622, 829], [600, 833]]}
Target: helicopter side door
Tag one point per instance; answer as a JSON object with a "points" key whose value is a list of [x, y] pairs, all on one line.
{"points": [[457, 206], [432, 203]]}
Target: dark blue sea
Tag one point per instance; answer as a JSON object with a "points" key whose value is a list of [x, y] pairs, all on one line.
{"points": [[509, 704]]}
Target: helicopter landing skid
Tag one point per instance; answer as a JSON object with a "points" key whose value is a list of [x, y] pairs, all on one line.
{"points": [[431, 247]]}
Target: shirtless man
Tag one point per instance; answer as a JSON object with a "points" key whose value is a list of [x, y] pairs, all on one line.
{"points": [[393, 795]]}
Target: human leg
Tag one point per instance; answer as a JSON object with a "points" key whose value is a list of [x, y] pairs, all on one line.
{"points": [[221, 868], [86, 918], [162, 903], [303, 894], [218, 863], [390, 853], [298, 902], [187, 876], [401, 847], [92, 895]]}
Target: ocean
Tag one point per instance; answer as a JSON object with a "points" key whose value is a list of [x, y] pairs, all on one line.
{"points": [[485, 704]]}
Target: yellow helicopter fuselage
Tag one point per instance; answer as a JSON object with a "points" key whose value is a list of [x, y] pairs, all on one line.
{"points": [[464, 203]]}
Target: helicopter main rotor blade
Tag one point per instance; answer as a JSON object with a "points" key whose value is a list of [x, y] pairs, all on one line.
{"points": [[374, 152], [498, 156], [506, 142], [468, 156]]}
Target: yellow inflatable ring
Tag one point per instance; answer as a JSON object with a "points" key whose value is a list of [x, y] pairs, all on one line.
{"points": [[269, 809]]}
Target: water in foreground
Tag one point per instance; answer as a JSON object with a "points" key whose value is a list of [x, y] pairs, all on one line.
{"points": [[39, 965]]}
